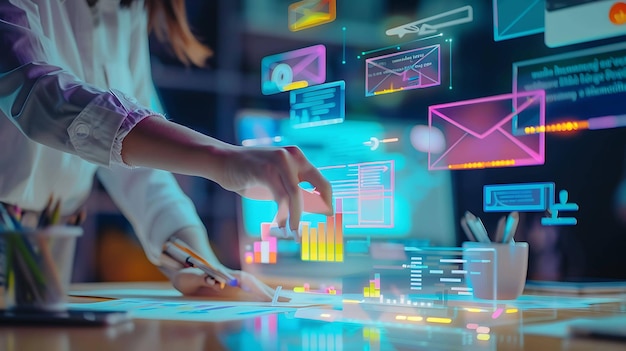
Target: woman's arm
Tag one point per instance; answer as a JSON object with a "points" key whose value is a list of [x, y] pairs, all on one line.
{"points": [[158, 143]]}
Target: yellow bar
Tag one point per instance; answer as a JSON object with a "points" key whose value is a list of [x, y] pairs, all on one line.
{"points": [[313, 242], [438, 320], [339, 237], [330, 239], [366, 291], [305, 242], [321, 242]]}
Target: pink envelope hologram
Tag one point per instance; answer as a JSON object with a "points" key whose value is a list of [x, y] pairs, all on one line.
{"points": [[479, 132]]}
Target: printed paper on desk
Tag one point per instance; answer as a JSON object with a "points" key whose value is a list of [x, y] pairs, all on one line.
{"points": [[413, 69], [478, 132], [310, 13], [293, 69]]}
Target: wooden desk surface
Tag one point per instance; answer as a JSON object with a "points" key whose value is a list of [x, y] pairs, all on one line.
{"points": [[284, 332]]}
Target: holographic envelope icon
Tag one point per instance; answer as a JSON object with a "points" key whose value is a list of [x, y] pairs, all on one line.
{"points": [[293, 69], [310, 13], [412, 69], [517, 18], [479, 134]]}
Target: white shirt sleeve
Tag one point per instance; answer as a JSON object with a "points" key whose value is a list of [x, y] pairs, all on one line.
{"points": [[49, 104], [152, 202]]}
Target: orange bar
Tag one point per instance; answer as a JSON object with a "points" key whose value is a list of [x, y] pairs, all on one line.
{"points": [[321, 241], [313, 243], [330, 239], [257, 257], [304, 254], [339, 237], [272, 257]]}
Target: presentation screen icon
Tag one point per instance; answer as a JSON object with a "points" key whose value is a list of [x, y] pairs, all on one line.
{"points": [[530, 197], [478, 132], [293, 69], [310, 13], [412, 69], [433, 24], [561, 206], [318, 105], [517, 18]]}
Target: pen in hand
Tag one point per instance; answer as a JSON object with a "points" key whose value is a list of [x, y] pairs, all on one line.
{"points": [[189, 258]]}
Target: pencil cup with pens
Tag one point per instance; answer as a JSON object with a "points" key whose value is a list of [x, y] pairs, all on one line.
{"points": [[504, 276], [37, 262]]}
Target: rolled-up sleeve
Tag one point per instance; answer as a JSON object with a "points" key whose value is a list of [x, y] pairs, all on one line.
{"points": [[49, 104]]}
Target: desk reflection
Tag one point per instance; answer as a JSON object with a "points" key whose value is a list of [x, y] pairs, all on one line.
{"points": [[474, 328]]}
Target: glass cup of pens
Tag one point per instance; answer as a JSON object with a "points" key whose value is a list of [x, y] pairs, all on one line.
{"points": [[38, 266], [496, 266]]}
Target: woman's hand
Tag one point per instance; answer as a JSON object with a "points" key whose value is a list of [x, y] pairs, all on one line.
{"points": [[261, 173], [194, 282], [275, 174]]}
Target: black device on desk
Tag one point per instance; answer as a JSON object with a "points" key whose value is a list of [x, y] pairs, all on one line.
{"points": [[74, 317]]}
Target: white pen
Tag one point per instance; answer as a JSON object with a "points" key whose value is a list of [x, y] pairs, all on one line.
{"points": [[467, 230], [477, 228], [500, 230], [511, 227]]}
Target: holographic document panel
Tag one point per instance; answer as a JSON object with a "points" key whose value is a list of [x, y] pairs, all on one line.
{"points": [[366, 191], [318, 105]]}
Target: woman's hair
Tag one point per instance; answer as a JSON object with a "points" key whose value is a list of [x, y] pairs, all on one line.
{"points": [[168, 20]]}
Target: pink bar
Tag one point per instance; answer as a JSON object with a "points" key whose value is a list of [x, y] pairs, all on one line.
{"points": [[257, 246], [272, 241], [265, 230], [339, 205]]}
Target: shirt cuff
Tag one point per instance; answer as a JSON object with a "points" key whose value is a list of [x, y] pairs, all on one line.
{"points": [[99, 130]]}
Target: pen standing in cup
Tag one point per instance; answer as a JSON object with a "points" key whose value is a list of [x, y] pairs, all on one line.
{"points": [[477, 228], [511, 227], [467, 230], [500, 230]]}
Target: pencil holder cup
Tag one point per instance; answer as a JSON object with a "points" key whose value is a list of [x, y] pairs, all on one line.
{"points": [[496, 271], [38, 266]]}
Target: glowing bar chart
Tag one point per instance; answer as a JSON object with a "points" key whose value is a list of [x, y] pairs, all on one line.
{"points": [[265, 251], [373, 289], [324, 241]]}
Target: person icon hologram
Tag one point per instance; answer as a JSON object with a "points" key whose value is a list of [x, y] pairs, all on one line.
{"points": [[554, 209]]}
